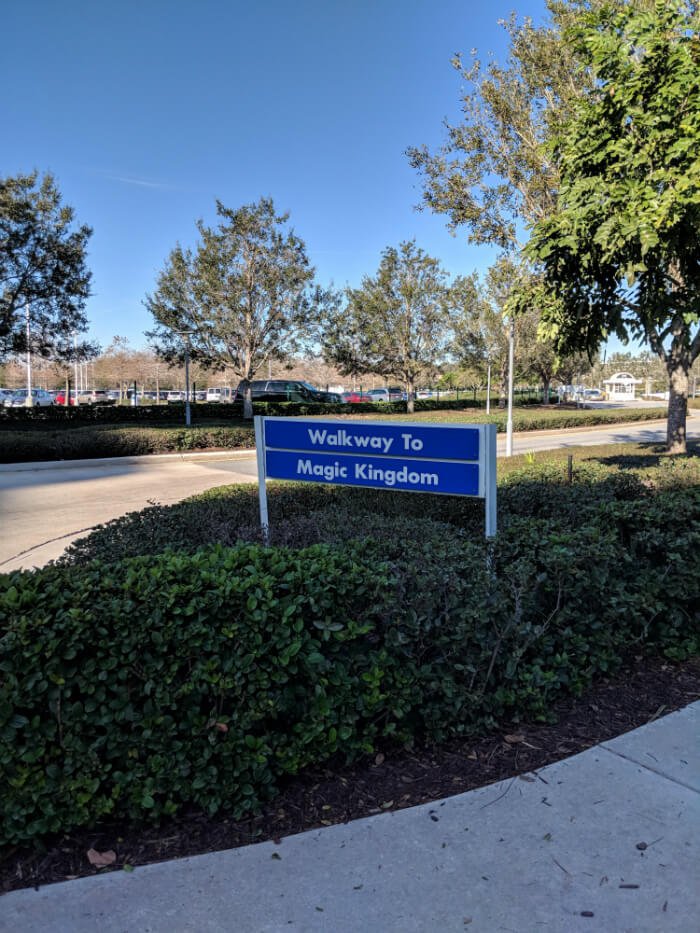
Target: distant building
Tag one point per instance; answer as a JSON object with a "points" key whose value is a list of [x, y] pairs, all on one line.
{"points": [[621, 387]]}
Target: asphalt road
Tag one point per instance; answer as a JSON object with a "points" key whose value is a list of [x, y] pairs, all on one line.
{"points": [[43, 507]]}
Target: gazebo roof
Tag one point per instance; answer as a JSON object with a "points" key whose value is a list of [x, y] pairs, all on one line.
{"points": [[622, 379]]}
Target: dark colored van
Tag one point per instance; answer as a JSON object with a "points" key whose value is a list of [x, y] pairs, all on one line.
{"points": [[286, 390]]}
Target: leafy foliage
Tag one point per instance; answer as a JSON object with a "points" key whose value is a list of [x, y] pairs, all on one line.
{"points": [[622, 248], [491, 174], [244, 297], [397, 323], [135, 688], [42, 268]]}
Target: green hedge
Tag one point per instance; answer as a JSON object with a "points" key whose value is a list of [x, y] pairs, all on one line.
{"points": [[103, 441], [47, 440], [134, 689], [60, 415], [302, 514]]}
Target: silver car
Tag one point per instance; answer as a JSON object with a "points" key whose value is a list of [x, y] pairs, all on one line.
{"points": [[18, 398]]}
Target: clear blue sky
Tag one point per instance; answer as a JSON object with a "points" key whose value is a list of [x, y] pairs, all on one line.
{"points": [[146, 111]]}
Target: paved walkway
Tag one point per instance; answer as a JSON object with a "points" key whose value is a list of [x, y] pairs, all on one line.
{"points": [[606, 841]]}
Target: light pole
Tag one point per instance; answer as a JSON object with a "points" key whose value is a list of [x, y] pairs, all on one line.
{"points": [[509, 422], [29, 401], [488, 387], [186, 334]]}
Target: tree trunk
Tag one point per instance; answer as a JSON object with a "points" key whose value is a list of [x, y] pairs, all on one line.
{"points": [[247, 398], [545, 392], [678, 366], [410, 396]]}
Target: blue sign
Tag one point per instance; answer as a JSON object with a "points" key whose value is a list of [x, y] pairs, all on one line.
{"points": [[453, 477], [452, 460], [374, 438]]}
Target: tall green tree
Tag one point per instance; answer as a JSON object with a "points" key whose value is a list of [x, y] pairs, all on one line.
{"points": [[44, 280], [491, 175], [622, 248], [480, 339], [398, 322], [482, 328], [244, 297]]}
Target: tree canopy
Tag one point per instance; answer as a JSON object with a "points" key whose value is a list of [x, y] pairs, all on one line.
{"points": [[397, 323], [622, 247], [491, 175], [243, 297], [43, 272]]}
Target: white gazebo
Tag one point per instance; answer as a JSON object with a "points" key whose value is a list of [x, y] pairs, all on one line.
{"points": [[620, 387]]}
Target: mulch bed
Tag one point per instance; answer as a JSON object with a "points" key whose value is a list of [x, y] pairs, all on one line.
{"points": [[391, 781]]}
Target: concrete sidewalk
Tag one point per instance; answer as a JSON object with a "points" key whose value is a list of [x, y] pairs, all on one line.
{"points": [[608, 841]]}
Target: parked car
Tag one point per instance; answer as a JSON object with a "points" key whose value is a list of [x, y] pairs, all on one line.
{"points": [[390, 394], [593, 395], [76, 398], [18, 399], [286, 390], [354, 397], [219, 394]]}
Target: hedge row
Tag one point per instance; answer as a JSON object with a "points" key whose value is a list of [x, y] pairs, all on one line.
{"points": [[101, 441], [56, 415], [135, 689], [50, 441], [206, 411], [302, 514]]}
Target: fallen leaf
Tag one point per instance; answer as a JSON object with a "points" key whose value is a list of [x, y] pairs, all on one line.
{"points": [[128, 867], [276, 856], [379, 759], [527, 777], [101, 859], [472, 756], [514, 739], [387, 804]]}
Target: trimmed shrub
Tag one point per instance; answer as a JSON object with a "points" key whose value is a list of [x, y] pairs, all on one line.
{"points": [[135, 688]]}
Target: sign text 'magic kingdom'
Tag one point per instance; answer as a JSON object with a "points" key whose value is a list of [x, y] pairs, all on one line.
{"points": [[388, 472]]}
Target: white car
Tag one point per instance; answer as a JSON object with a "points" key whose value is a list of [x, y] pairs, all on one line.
{"points": [[222, 394]]}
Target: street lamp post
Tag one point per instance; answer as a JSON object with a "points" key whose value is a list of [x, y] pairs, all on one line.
{"points": [[488, 387], [186, 334], [29, 401], [509, 422]]}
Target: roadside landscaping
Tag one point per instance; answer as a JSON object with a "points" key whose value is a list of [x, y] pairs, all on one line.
{"points": [[39, 439], [202, 678]]}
